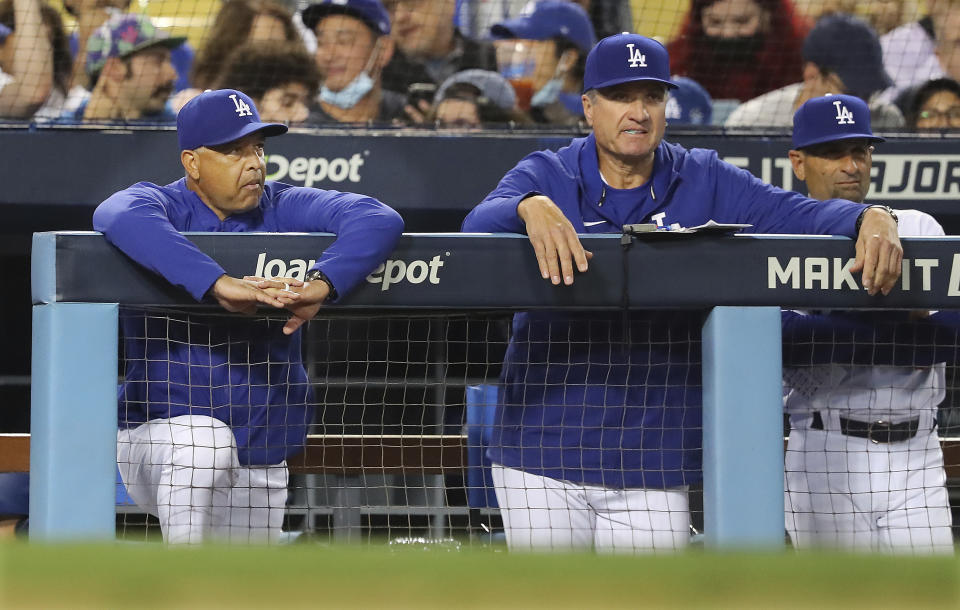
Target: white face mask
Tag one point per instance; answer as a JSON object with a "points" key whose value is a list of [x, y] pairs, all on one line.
{"points": [[349, 96], [550, 92], [356, 89]]}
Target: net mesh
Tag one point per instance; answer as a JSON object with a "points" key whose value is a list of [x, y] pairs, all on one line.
{"points": [[864, 462], [416, 418], [403, 413], [308, 64]]}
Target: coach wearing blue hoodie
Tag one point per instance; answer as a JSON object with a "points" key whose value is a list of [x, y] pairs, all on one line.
{"points": [[596, 443]]}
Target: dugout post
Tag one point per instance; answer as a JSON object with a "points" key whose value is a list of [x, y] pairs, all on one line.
{"points": [[73, 415], [742, 428]]}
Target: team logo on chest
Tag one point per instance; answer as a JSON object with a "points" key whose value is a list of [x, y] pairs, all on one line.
{"points": [[242, 109], [636, 58], [844, 116]]}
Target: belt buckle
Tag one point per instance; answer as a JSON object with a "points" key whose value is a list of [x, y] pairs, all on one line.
{"points": [[870, 428]]}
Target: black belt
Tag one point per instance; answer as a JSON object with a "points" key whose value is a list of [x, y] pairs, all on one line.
{"points": [[879, 431]]}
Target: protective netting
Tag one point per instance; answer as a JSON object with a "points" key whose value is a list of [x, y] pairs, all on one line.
{"points": [[393, 429], [468, 64], [561, 430], [864, 462]]}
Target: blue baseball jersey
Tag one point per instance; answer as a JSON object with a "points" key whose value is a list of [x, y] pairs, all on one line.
{"points": [[244, 372], [602, 398]]}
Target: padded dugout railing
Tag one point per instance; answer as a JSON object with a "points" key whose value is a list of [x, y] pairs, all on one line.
{"points": [[79, 280]]}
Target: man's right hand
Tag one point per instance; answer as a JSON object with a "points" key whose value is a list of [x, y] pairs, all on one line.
{"points": [[243, 296], [554, 239]]}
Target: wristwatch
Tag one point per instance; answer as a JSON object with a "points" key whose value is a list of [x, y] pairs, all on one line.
{"points": [[315, 275], [885, 208]]}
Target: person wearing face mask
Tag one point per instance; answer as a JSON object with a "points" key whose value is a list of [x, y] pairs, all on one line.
{"points": [[353, 46], [738, 49], [542, 53]]}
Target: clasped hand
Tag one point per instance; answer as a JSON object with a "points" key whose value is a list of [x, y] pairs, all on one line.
{"points": [[302, 299]]}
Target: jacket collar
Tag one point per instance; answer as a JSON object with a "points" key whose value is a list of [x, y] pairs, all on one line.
{"points": [[666, 166]]}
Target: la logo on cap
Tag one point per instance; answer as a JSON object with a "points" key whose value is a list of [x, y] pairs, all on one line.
{"points": [[637, 59], [844, 116], [242, 109]]}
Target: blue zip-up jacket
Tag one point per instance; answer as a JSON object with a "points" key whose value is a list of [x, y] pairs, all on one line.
{"points": [[244, 372], [576, 403]]}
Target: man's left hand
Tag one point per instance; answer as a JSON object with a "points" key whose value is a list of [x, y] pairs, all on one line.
{"points": [[879, 253], [312, 296]]}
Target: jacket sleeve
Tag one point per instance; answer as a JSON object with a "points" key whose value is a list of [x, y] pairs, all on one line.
{"points": [[770, 209], [880, 338], [497, 213], [367, 230], [136, 221]]}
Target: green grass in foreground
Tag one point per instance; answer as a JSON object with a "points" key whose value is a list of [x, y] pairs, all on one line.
{"points": [[152, 576]]}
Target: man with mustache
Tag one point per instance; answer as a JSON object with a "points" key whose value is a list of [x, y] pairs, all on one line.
{"points": [[864, 468], [128, 62], [211, 405]]}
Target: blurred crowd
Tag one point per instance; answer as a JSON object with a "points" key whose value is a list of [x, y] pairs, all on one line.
{"points": [[469, 64]]}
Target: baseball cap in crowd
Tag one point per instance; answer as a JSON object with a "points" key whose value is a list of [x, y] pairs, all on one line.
{"points": [[689, 103], [371, 12], [122, 35], [546, 20], [624, 58], [217, 117], [4, 32], [830, 118], [848, 46], [491, 85]]}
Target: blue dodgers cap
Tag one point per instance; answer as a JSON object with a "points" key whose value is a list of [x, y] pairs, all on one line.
{"points": [[371, 12], [689, 103], [830, 118], [4, 32], [217, 117], [624, 58], [546, 20]]}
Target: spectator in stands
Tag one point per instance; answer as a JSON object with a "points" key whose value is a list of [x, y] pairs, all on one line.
{"points": [[935, 105], [89, 15], [926, 49], [34, 60], [26, 60], [738, 49], [475, 98], [864, 468], [542, 52], [607, 16], [689, 103], [128, 62], [238, 22], [425, 33], [882, 15], [597, 431], [841, 55], [353, 46], [280, 77]]}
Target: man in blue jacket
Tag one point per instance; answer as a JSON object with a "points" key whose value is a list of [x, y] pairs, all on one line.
{"points": [[598, 438], [212, 405]]}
